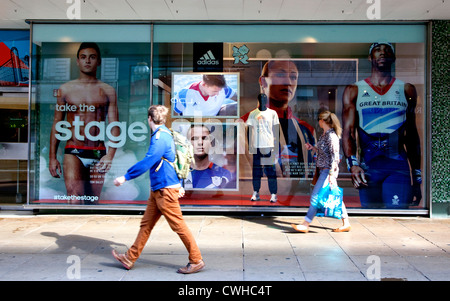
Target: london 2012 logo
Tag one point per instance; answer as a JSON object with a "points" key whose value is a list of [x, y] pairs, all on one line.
{"points": [[240, 54]]}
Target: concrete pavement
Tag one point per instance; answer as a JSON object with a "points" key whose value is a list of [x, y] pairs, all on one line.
{"points": [[235, 248]]}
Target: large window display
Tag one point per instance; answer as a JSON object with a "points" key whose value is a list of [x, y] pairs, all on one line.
{"points": [[371, 76], [91, 91], [247, 99]]}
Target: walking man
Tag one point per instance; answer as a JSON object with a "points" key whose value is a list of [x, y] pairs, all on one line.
{"points": [[165, 191]]}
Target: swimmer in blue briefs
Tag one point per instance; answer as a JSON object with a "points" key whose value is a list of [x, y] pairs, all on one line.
{"points": [[379, 116], [83, 101]]}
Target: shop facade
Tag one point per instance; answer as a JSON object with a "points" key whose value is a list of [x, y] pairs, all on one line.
{"points": [[76, 125]]}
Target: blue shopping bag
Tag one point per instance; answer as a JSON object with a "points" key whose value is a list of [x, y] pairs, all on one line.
{"points": [[329, 202]]}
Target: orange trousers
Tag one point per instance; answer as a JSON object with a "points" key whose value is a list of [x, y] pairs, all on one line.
{"points": [[164, 202]]}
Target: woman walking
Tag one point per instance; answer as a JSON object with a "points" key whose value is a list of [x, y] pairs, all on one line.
{"points": [[328, 165]]}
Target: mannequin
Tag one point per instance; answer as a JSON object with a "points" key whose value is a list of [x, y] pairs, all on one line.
{"points": [[263, 123]]}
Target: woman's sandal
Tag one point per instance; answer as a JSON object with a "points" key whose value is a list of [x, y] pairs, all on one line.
{"points": [[342, 229]]}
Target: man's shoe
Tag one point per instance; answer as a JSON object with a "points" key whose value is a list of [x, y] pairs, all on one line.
{"points": [[192, 268], [300, 228], [273, 198], [123, 259], [255, 196]]}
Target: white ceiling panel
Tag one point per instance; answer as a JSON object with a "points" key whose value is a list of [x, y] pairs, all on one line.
{"points": [[305, 9], [187, 9], [13, 13], [261, 10], [109, 9], [151, 9], [417, 9], [32, 9], [225, 10]]}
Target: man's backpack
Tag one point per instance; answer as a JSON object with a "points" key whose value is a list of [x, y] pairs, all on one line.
{"points": [[184, 154]]}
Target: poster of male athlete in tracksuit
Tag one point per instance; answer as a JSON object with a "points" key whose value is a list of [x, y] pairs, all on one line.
{"points": [[380, 138]]}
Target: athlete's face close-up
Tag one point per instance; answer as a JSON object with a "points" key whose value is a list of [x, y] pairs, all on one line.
{"points": [[281, 83], [200, 140], [211, 90], [382, 56], [88, 60]]}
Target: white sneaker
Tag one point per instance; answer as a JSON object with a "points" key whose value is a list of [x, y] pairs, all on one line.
{"points": [[255, 196], [273, 198]]}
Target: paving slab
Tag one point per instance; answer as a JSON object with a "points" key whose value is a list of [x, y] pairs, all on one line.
{"points": [[235, 248]]}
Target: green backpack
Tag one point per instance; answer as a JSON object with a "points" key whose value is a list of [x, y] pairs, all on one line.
{"points": [[184, 154]]}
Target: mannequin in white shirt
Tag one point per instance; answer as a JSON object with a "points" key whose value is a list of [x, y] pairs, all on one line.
{"points": [[263, 125]]}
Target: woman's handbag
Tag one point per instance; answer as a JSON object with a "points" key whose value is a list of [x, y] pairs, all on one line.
{"points": [[329, 202]]}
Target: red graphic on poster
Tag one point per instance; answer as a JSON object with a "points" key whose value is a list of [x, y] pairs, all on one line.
{"points": [[13, 71]]}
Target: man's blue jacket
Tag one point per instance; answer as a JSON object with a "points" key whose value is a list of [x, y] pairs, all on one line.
{"points": [[161, 145]]}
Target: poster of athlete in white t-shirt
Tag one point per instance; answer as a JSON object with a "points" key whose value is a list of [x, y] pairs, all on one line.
{"points": [[380, 138], [211, 96]]}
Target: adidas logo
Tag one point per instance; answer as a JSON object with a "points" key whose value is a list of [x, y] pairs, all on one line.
{"points": [[366, 94], [208, 59]]}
